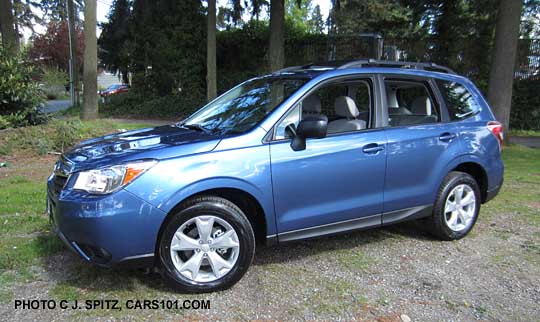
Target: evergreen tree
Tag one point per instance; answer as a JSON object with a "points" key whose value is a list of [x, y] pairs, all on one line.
{"points": [[298, 15], [168, 55], [388, 17], [316, 21], [114, 39]]}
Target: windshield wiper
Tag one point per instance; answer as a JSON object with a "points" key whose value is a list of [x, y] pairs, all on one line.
{"points": [[196, 127]]}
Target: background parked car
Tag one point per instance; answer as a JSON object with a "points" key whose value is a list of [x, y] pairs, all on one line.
{"points": [[113, 90]]}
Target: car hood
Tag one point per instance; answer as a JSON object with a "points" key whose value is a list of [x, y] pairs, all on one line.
{"points": [[152, 143]]}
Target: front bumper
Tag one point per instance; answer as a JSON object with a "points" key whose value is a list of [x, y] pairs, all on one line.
{"points": [[115, 229]]}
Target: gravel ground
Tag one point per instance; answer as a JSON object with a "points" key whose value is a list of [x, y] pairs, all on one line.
{"points": [[390, 274]]}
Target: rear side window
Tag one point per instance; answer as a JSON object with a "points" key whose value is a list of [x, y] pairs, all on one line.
{"points": [[410, 103], [459, 101]]}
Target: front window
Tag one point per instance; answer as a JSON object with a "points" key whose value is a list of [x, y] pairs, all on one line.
{"points": [[346, 103], [245, 106]]}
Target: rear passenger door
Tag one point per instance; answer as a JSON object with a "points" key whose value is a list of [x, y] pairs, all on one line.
{"points": [[420, 144]]}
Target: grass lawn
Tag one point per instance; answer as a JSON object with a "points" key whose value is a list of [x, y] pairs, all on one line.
{"points": [[27, 246], [25, 235], [524, 132]]}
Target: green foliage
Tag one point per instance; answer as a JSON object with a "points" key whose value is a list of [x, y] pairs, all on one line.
{"points": [[177, 29], [54, 81], [388, 17], [173, 106], [162, 43], [242, 52], [317, 22], [525, 112], [115, 38], [19, 94], [57, 135], [304, 17], [530, 28]]}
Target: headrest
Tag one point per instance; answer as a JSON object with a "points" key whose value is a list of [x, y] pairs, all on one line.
{"points": [[421, 105], [311, 104], [346, 107]]}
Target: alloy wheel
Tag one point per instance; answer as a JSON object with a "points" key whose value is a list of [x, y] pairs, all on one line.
{"points": [[205, 248], [460, 207]]}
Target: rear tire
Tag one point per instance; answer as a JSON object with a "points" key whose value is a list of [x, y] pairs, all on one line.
{"points": [[190, 255], [456, 208]]}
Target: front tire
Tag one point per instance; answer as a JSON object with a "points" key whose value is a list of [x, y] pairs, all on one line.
{"points": [[207, 245], [456, 207]]}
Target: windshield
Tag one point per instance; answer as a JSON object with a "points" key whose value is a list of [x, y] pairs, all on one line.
{"points": [[244, 106]]}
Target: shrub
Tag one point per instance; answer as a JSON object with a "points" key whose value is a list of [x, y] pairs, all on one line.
{"points": [[57, 135], [133, 104], [525, 112], [54, 81], [19, 95]]}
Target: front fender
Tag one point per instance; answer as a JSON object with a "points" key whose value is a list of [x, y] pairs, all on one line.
{"points": [[172, 181], [209, 184]]}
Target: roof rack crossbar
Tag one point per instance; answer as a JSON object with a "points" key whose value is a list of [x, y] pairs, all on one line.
{"points": [[294, 68], [287, 69], [397, 64]]}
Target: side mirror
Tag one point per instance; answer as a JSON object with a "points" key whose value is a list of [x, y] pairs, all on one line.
{"points": [[313, 126]]}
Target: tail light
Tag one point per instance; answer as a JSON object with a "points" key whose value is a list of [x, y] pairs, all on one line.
{"points": [[496, 129]]}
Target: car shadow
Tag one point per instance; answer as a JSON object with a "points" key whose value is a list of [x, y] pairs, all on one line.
{"points": [[65, 268], [311, 247]]}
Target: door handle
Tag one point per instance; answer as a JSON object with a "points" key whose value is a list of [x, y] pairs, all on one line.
{"points": [[372, 148], [447, 136]]}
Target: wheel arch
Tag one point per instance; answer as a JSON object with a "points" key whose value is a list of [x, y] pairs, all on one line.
{"points": [[244, 200], [479, 174]]}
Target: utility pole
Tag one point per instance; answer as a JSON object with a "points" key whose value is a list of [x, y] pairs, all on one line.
{"points": [[73, 70], [90, 99]]}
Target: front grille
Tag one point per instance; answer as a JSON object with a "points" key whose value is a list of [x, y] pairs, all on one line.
{"points": [[62, 169], [59, 181]]}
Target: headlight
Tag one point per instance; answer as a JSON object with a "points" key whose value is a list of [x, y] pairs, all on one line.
{"points": [[107, 180]]}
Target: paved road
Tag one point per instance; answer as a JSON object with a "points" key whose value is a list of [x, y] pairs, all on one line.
{"points": [[530, 141], [56, 106]]}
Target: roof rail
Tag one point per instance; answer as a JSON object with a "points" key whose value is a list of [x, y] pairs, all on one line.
{"points": [[396, 64], [287, 69], [293, 68]]}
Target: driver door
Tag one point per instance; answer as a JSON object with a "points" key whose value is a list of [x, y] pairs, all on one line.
{"points": [[336, 183]]}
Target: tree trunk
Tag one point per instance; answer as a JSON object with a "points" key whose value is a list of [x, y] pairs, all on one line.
{"points": [[90, 99], [73, 49], [10, 38], [501, 74], [276, 50], [211, 72], [16, 7]]}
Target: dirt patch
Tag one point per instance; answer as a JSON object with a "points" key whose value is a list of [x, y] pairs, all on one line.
{"points": [[481, 277], [534, 204], [31, 167]]}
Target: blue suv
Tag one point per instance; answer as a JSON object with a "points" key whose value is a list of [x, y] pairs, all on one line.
{"points": [[303, 152]]}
